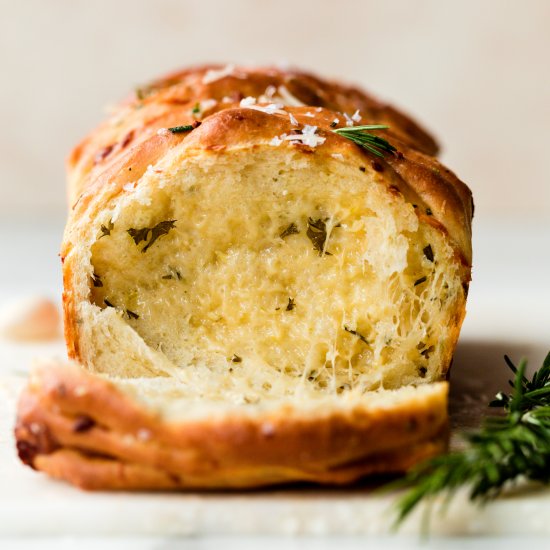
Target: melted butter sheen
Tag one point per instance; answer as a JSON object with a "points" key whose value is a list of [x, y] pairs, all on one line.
{"points": [[223, 283]]}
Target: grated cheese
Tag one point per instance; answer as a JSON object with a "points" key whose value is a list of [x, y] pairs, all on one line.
{"points": [[308, 136], [356, 116], [216, 74], [277, 140], [270, 109], [293, 120], [288, 98]]}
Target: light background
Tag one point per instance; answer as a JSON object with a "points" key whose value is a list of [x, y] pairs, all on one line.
{"points": [[475, 72]]}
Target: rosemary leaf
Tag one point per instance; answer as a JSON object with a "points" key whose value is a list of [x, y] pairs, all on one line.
{"points": [[132, 314], [362, 136], [292, 229], [150, 234], [355, 333], [106, 229], [317, 234]]}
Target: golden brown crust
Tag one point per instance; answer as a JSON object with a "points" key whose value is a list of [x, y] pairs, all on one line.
{"points": [[81, 428], [169, 102]]}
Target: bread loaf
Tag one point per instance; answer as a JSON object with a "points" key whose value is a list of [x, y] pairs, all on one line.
{"points": [[263, 297]]}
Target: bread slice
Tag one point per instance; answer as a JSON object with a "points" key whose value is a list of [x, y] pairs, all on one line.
{"points": [[253, 269], [149, 434]]}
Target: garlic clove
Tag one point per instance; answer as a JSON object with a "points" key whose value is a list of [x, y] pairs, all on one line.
{"points": [[30, 319]]}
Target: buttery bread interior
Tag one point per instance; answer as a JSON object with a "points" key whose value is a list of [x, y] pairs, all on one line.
{"points": [[273, 278]]}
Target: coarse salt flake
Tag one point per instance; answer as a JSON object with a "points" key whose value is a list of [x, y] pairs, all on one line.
{"points": [[277, 140], [349, 121]]}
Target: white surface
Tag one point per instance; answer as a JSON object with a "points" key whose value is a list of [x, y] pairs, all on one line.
{"points": [[508, 313]]}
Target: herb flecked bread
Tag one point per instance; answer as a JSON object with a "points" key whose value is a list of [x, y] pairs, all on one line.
{"points": [[256, 290]]}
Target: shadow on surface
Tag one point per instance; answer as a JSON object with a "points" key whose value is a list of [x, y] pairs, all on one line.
{"points": [[479, 372]]}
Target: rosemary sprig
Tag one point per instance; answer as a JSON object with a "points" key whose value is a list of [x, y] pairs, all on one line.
{"points": [[506, 447], [362, 137]]}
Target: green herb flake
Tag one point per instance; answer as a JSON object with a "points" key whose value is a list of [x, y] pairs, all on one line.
{"points": [[142, 92], [107, 303], [361, 135], [236, 358], [427, 352], [181, 129], [196, 109], [106, 229], [422, 372], [96, 280], [420, 281], [131, 314], [292, 229], [429, 253], [291, 304], [173, 274], [317, 234], [355, 333], [150, 234]]}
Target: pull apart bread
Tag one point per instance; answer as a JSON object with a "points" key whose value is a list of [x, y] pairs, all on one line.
{"points": [[251, 298]]}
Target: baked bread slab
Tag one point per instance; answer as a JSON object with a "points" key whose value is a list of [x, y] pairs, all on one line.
{"points": [[122, 434], [254, 266]]}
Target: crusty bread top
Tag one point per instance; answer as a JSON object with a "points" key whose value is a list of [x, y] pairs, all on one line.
{"points": [[167, 101], [135, 137]]}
